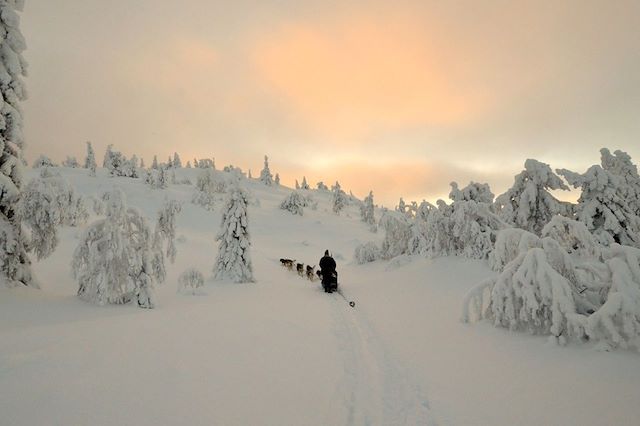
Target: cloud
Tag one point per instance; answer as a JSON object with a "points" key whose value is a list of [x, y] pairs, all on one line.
{"points": [[352, 75]]}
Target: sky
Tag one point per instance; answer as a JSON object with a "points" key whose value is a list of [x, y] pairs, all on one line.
{"points": [[399, 97]]}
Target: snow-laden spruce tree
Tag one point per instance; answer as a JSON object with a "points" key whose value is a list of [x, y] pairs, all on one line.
{"points": [[603, 208], [90, 159], [297, 185], [276, 180], [107, 157], [47, 203], [321, 186], [620, 164], [402, 206], [234, 259], [177, 162], [294, 203], [118, 165], [15, 267], [113, 262], [188, 166], [154, 164], [304, 184], [528, 204], [339, 198], [142, 165], [366, 212], [265, 174]]}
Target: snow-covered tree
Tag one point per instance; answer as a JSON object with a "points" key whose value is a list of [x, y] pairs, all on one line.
{"points": [[188, 164], [107, 157], [396, 237], [90, 160], [15, 267], [119, 165], [157, 178], [478, 192], [70, 162], [276, 180], [295, 203], [528, 204], [265, 174], [620, 164], [195, 163], [43, 161], [321, 186], [206, 164], [47, 203], [190, 281], [401, 207], [165, 235], [154, 164], [603, 208], [617, 322], [367, 252], [234, 260], [304, 184], [338, 198], [113, 262], [366, 212], [297, 186], [564, 284], [249, 174], [142, 165]]}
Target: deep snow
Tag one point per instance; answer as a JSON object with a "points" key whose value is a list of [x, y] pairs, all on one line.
{"points": [[280, 351]]}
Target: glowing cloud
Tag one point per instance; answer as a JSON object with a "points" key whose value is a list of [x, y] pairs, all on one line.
{"points": [[355, 74]]}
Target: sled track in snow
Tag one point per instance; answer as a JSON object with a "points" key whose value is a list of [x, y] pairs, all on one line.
{"points": [[376, 390]]}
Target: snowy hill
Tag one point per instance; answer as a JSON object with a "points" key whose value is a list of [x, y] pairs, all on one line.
{"points": [[280, 351]]}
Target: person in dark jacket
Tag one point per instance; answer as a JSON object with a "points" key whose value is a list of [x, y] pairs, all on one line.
{"points": [[328, 272]]}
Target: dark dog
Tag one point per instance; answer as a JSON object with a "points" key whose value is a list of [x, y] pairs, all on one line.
{"points": [[300, 268], [287, 263], [311, 275]]}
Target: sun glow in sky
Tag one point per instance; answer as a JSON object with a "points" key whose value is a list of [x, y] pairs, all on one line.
{"points": [[399, 97]]}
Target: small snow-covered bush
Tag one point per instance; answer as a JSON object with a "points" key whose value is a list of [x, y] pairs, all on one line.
{"points": [[294, 203], [367, 252], [190, 281]]}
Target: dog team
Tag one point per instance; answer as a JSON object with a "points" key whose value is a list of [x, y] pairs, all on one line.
{"points": [[300, 268]]}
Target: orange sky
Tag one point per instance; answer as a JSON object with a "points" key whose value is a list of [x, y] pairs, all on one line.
{"points": [[399, 97]]}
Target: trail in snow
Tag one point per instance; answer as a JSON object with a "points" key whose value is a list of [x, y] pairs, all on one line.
{"points": [[377, 391]]}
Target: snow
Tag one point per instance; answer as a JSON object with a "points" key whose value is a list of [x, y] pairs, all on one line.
{"points": [[280, 351]]}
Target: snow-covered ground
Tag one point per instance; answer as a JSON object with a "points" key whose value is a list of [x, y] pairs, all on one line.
{"points": [[282, 352]]}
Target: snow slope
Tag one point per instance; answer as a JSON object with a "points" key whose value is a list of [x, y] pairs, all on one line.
{"points": [[280, 351]]}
